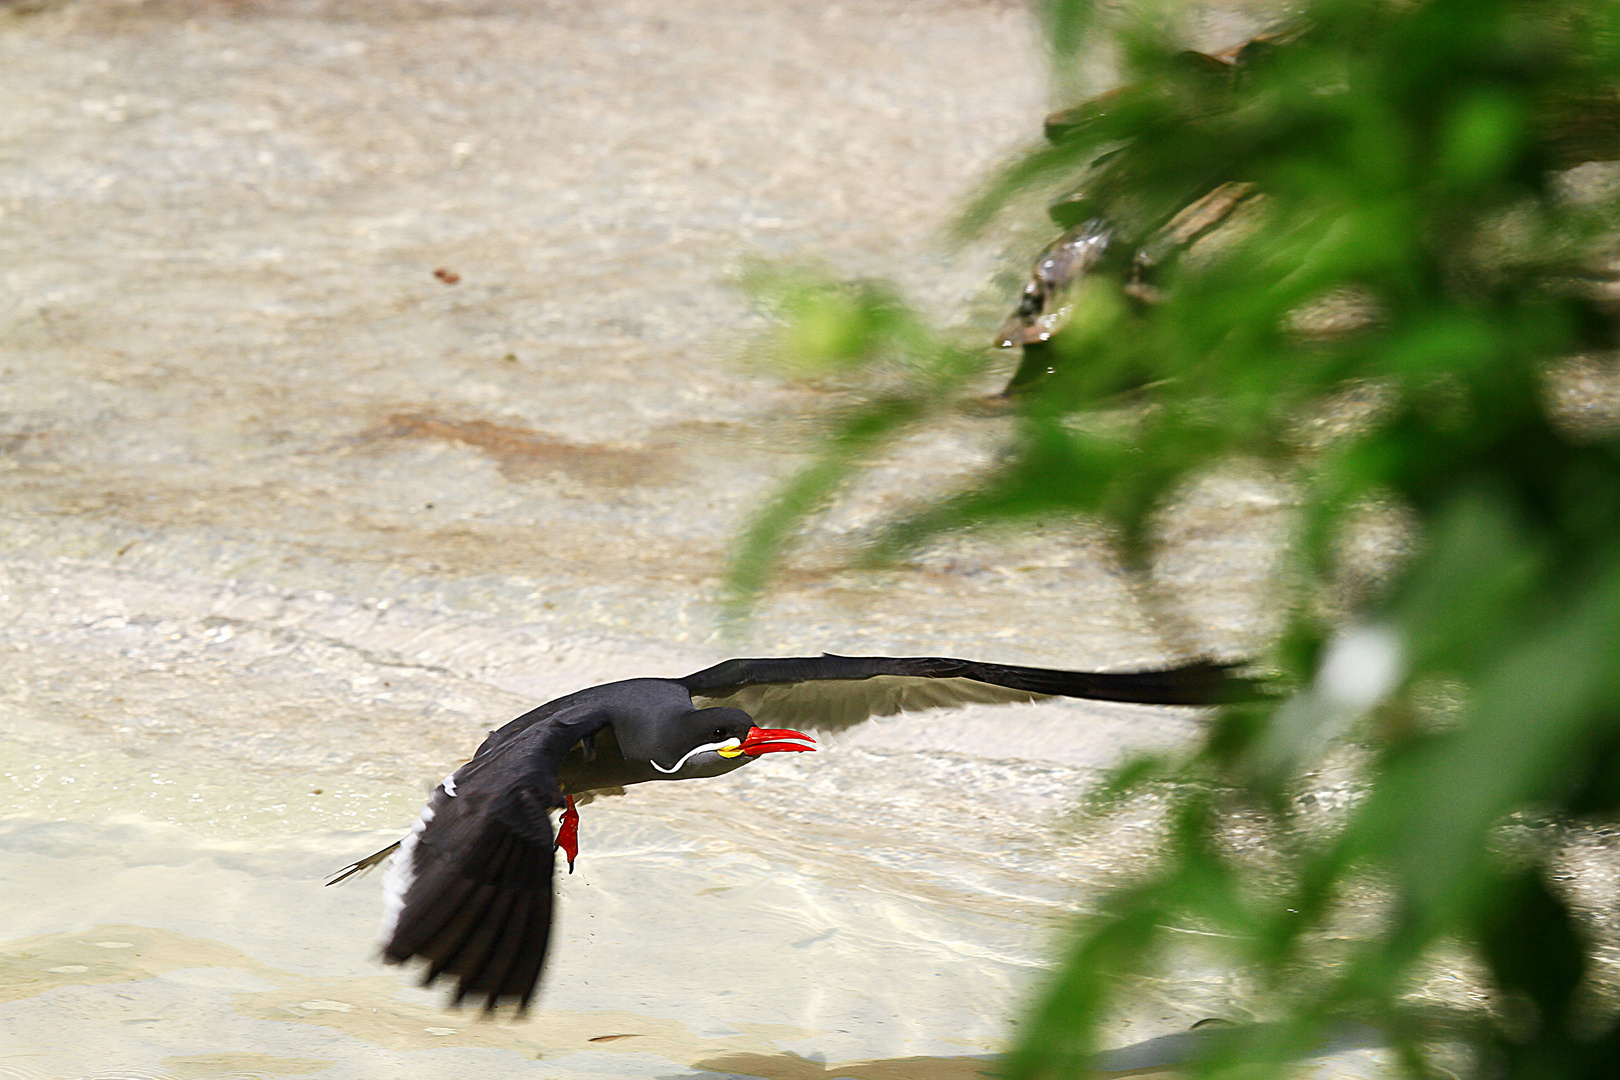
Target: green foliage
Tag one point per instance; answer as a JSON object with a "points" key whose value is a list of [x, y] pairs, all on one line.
{"points": [[827, 326], [1408, 162]]}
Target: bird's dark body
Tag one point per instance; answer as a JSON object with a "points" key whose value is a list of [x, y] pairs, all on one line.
{"points": [[469, 890], [599, 764], [663, 723]]}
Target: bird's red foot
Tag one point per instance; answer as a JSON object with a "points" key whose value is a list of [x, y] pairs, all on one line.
{"points": [[568, 832]]}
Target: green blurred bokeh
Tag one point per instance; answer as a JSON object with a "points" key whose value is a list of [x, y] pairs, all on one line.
{"points": [[1410, 233]]}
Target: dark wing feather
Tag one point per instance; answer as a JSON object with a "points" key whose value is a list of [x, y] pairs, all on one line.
{"points": [[470, 888], [832, 692], [362, 865]]}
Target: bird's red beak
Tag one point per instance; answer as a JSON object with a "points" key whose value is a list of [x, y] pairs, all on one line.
{"points": [[774, 741]]}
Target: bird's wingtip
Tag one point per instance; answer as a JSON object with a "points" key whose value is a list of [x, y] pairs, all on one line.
{"points": [[346, 873], [360, 866]]}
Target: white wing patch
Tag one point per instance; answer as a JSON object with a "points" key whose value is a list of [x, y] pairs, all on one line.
{"points": [[729, 744], [449, 785], [400, 873]]}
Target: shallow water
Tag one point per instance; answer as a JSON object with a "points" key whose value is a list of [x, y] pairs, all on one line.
{"points": [[288, 523]]}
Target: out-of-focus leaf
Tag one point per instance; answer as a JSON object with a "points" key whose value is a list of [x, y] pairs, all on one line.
{"points": [[1406, 243]]}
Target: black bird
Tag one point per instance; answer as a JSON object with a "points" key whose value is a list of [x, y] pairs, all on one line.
{"points": [[469, 890]]}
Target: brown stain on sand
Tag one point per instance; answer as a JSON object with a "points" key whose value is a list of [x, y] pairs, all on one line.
{"points": [[241, 1064], [793, 1067], [525, 454]]}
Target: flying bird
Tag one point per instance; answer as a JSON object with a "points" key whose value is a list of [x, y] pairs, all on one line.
{"points": [[470, 889]]}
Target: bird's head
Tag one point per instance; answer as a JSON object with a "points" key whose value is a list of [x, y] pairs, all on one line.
{"points": [[709, 742]]}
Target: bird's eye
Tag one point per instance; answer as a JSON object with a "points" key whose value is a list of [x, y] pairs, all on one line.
{"points": [[719, 733]]}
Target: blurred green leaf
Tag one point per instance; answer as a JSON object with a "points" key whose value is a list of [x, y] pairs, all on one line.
{"points": [[1483, 136], [1407, 241]]}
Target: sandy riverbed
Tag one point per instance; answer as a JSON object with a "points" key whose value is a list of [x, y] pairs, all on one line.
{"points": [[288, 522]]}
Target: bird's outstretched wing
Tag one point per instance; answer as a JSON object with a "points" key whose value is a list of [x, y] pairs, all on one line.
{"points": [[469, 890], [833, 692]]}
